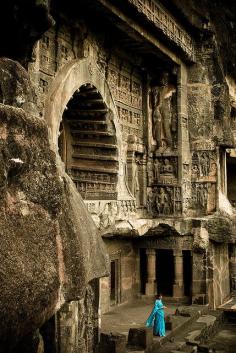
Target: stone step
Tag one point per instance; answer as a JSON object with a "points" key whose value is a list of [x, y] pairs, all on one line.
{"points": [[92, 132], [95, 168], [86, 121], [95, 144], [76, 113], [95, 157]]}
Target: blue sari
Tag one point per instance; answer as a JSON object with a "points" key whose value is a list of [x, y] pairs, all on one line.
{"points": [[156, 319]]}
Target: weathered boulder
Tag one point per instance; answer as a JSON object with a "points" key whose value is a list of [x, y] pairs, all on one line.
{"points": [[50, 249]]}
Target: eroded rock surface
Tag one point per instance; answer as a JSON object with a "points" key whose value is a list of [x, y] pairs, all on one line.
{"points": [[50, 248]]}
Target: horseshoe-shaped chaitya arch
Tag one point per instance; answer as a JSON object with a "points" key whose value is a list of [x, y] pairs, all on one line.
{"points": [[84, 130]]}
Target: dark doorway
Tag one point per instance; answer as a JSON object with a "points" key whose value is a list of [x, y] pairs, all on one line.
{"points": [[143, 270], [114, 282], [231, 175], [187, 265], [48, 332], [165, 272]]}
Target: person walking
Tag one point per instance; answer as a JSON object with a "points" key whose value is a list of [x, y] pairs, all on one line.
{"points": [[157, 318]]}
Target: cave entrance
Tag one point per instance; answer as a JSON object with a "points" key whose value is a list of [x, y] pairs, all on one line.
{"points": [[165, 272], [48, 332], [87, 144]]}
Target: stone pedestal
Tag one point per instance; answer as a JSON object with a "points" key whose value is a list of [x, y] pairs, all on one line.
{"points": [[140, 338], [112, 343], [178, 287], [151, 288]]}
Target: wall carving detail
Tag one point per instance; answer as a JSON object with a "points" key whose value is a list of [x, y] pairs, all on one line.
{"points": [[165, 170], [164, 200], [126, 88], [166, 23], [164, 114], [204, 167], [106, 213]]}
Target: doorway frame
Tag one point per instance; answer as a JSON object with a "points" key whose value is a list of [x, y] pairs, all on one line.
{"points": [[117, 259]]}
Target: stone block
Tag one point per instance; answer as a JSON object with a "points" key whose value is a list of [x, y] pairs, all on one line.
{"points": [[200, 299], [169, 322], [204, 348], [112, 342], [140, 337]]}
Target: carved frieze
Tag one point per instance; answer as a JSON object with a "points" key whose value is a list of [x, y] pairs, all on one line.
{"points": [[93, 185], [126, 89], [166, 23], [106, 213], [163, 242], [203, 145]]}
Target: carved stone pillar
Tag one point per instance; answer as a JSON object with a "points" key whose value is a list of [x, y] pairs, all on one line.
{"points": [[178, 287], [232, 269], [151, 272]]}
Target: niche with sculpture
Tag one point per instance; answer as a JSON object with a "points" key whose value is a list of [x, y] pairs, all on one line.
{"points": [[163, 105]]}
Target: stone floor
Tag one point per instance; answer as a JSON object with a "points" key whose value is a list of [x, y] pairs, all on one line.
{"points": [[126, 316], [193, 323], [225, 339]]}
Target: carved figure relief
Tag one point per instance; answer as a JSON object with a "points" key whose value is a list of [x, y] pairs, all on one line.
{"points": [[164, 203], [165, 170], [204, 167], [135, 179], [107, 216], [151, 172], [126, 89], [106, 213], [199, 196], [164, 200], [150, 201], [162, 119]]}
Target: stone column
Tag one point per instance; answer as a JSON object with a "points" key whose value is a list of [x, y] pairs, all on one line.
{"points": [[151, 272], [67, 328], [178, 287]]}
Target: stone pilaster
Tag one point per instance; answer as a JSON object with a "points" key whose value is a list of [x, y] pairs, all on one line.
{"points": [[151, 272], [178, 287]]}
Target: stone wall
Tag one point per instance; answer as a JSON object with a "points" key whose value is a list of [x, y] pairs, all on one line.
{"points": [[128, 273]]}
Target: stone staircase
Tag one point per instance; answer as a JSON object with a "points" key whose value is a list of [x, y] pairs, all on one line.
{"points": [[187, 331]]}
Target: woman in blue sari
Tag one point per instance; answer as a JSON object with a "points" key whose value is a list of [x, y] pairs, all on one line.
{"points": [[156, 318]]}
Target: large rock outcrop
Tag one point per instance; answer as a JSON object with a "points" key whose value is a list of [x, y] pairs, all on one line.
{"points": [[50, 249]]}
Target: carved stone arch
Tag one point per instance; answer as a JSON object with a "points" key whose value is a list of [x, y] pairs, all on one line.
{"points": [[73, 80]]}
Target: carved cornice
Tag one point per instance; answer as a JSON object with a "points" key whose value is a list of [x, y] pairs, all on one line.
{"points": [[167, 24]]}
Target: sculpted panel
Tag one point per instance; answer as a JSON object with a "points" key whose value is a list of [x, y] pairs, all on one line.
{"points": [[203, 199], [165, 170], [106, 213], [164, 200], [204, 167], [127, 90]]}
